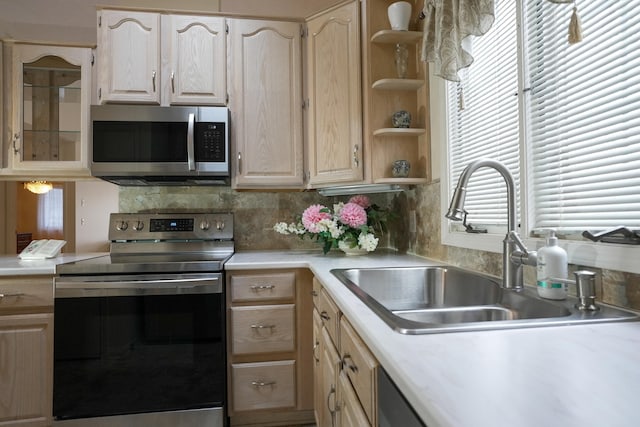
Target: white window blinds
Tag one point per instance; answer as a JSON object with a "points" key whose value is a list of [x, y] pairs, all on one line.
{"points": [[584, 108], [483, 117]]}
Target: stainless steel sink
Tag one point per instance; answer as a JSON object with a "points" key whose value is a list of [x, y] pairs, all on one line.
{"points": [[420, 300]]}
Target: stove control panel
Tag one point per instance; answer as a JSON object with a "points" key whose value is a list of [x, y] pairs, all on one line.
{"points": [[170, 226]]}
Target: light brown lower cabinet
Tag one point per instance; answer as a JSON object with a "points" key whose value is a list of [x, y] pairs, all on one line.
{"points": [[26, 351], [345, 371], [269, 341]]}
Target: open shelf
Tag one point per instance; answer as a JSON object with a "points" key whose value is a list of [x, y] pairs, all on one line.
{"points": [[399, 132], [398, 84], [395, 36]]}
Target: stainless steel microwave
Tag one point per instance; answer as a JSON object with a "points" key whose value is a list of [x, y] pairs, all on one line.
{"points": [[153, 145]]}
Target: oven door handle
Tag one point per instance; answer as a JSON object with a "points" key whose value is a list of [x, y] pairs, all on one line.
{"points": [[94, 287]]}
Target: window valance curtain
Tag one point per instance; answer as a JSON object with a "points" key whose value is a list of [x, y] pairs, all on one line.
{"points": [[447, 24]]}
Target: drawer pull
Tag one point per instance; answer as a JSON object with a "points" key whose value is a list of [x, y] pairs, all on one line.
{"points": [[17, 295], [347, 362], [262, 383], [258, 288], [314, 294], [259, 327], [325, 316]]}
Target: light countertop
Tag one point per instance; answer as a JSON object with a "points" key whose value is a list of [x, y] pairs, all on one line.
{"points": [[14, 266], [580, 375]]}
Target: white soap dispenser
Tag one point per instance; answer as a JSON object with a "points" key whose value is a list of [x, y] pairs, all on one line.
{"points": [[552, 262]]}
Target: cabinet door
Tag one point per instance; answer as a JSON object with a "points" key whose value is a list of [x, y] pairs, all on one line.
{"points": [[197, 59], [265, 100], [26, 371], [51, 101], [351, 413], [327, 413], [129, 56], [318, 395], [335, 104]]}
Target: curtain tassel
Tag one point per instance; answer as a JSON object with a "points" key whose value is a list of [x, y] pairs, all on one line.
{"points": [[575, 27]]}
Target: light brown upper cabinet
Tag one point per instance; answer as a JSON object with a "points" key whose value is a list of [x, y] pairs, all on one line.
{"points": [[334, 115], [50, 103], [265, 102], [151, 58]]}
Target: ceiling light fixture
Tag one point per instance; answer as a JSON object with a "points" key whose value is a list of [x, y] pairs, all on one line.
{"points": [[38, 187]]}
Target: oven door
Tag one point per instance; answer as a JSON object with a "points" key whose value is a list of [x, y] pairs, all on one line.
{"points": [[138, 344]]}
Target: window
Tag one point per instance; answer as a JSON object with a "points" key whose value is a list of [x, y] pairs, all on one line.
{"points": [[565, 119]]}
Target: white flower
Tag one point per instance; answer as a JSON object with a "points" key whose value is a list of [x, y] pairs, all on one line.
{"points": [[281, 227], [296, 228], [367, 241], [337, 208]]}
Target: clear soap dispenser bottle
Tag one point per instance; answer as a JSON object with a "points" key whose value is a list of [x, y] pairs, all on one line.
{"points": [[552, 263]]}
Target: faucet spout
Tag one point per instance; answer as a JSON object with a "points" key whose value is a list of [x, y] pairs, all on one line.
{"points": [[512, 244]]}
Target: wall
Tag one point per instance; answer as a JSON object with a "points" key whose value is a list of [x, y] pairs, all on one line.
{"points": [[255, 213]]}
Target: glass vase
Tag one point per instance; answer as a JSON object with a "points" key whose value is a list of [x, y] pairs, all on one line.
{"points": [[402, 56]]}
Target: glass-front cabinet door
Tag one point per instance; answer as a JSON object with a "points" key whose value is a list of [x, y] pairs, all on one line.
{"points": [[51, 110]]}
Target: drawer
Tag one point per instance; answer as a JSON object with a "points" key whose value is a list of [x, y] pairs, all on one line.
{"points": [[329, 314], [360, 366], [263, 287], [264, 385], [26, 294], [263, 329]]}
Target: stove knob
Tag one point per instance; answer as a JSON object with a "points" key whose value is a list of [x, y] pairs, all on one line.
{"points": [[122, 226], [138, 226], [219, 225], [204, 225]]}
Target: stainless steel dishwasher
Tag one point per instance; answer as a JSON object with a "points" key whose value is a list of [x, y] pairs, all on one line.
{"points": [[393, 408]]}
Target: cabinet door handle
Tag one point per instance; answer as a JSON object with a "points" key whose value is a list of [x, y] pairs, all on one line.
{"points": [[314, 294], [173, 86], [263, 383], [336, 407], [16, 138], [256, 326], [258, 288], [153, 80], [325, 316], [347, 362], [356, 160], [16, 295], [239, 163], [315, 347]]}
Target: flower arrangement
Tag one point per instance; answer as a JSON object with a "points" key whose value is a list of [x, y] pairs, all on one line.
{"points": [[352, 225]]}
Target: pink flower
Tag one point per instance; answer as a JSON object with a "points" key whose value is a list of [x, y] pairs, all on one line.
{"points": [[312, 216], [353, 215], [361, 200]]}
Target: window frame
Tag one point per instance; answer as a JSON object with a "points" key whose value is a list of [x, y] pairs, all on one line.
{"points": [[580, 252]]}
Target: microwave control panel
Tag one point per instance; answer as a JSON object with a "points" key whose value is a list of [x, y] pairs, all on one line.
{"points": [[210, 142]]}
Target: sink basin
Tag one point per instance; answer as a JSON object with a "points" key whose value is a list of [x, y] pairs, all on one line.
{"points": [[420, 300]]}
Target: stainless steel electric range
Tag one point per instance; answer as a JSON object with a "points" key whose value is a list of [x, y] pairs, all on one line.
{"points": [[140, 333]]}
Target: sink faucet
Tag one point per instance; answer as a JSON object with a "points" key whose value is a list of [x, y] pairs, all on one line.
{"points": [[514, 252]]}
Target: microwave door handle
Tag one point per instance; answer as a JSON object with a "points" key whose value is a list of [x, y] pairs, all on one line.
{"points": [[191, 160]]}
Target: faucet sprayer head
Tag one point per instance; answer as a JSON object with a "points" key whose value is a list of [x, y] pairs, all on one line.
{"points": [[456, 210]]}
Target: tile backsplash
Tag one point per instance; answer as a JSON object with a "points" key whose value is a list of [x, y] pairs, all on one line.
{"points": [[255, 214]]}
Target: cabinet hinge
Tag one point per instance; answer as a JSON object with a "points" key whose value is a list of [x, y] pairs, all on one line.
{"points": [[226, 28], [99, 93], [99, 21], [305, 104], [226, 99], [303, 30], [93, 59]]}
